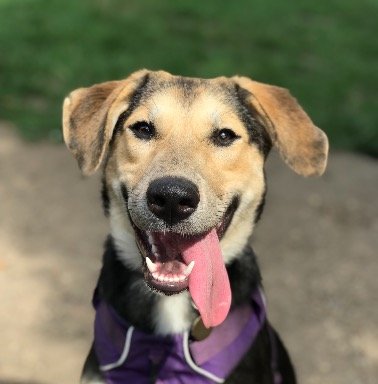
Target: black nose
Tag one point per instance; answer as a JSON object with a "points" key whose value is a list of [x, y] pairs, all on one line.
{"points": [[172, 199]]}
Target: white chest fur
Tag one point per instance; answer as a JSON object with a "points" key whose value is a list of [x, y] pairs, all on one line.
{"points": [[172, 314]]}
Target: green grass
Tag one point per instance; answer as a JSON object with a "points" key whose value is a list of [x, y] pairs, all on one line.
{"points": [[325, 52]]}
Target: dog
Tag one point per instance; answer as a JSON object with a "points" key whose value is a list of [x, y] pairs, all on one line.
{"points": [[179, 296]]}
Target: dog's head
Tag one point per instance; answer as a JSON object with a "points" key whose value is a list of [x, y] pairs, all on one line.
{"points": [[184, 167]]}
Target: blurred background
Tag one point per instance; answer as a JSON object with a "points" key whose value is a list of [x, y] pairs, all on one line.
{"points": [[317, 241]]}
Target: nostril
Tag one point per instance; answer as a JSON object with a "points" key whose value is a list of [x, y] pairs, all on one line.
{"points": [[158, 200], [188, 203]]}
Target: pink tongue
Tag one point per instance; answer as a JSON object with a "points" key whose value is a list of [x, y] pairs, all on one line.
{"points": [[208, 283]]}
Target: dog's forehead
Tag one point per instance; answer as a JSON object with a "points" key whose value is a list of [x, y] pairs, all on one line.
{"points": [[170, 93], [160, 80]]}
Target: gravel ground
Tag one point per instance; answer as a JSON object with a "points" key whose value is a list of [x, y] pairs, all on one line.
{"points": [[317, 244]]}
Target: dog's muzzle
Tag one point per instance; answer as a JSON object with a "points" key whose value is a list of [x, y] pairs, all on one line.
{"points": [[175, 260]]}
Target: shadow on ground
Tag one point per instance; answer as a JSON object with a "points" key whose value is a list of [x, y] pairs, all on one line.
{"points": [[18, 382]]}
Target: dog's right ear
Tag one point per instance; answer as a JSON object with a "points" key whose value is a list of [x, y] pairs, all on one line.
{"points": [[90, 115]]}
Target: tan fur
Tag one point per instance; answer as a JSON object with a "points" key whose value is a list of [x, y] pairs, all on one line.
{"points": [[88, 119], [184, 123], [302, 145]]}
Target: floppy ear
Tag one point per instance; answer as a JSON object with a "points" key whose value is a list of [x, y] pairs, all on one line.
{"points": [[302, 145], [90, 115]]}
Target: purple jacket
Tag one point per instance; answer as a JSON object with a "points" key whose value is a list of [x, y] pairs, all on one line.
{"points": [[127, 355]]}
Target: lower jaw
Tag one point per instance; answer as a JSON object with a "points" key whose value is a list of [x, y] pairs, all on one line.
{"points": [[166, 288]]}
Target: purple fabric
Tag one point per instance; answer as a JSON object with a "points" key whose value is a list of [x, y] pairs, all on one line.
{"points": [[162, 360]]}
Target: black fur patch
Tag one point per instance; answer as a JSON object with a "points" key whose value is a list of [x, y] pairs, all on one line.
{"points": [[126, 290], [105, 197], [244, 275], [124, 192], [260, 207], [134, 102], [252, 121]]}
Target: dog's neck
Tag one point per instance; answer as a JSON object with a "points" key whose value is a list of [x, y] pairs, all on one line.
{"points": [[126, 290]]}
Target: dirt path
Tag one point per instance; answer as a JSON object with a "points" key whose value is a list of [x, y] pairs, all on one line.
{"points": [[317, 245]]}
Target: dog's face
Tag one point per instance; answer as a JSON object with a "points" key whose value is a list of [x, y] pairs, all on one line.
{"points": [[184, 166]]}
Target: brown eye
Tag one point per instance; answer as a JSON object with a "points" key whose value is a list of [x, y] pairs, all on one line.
{"points": [[224, 137], [143, 130]]}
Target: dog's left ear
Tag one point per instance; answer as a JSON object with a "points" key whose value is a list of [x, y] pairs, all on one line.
{"points": [[302, 145], [90, 115]]}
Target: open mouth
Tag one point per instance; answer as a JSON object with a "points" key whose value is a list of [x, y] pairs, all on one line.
{"points": [[167, 267], [174, 262]]}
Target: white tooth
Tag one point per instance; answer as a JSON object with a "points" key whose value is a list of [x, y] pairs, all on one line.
{"points": [[166, 278], [161, 278], [155, 275], [175, 279], [181, 277], [154, 249], [189, 268], [151, 266], [150, 239]]}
